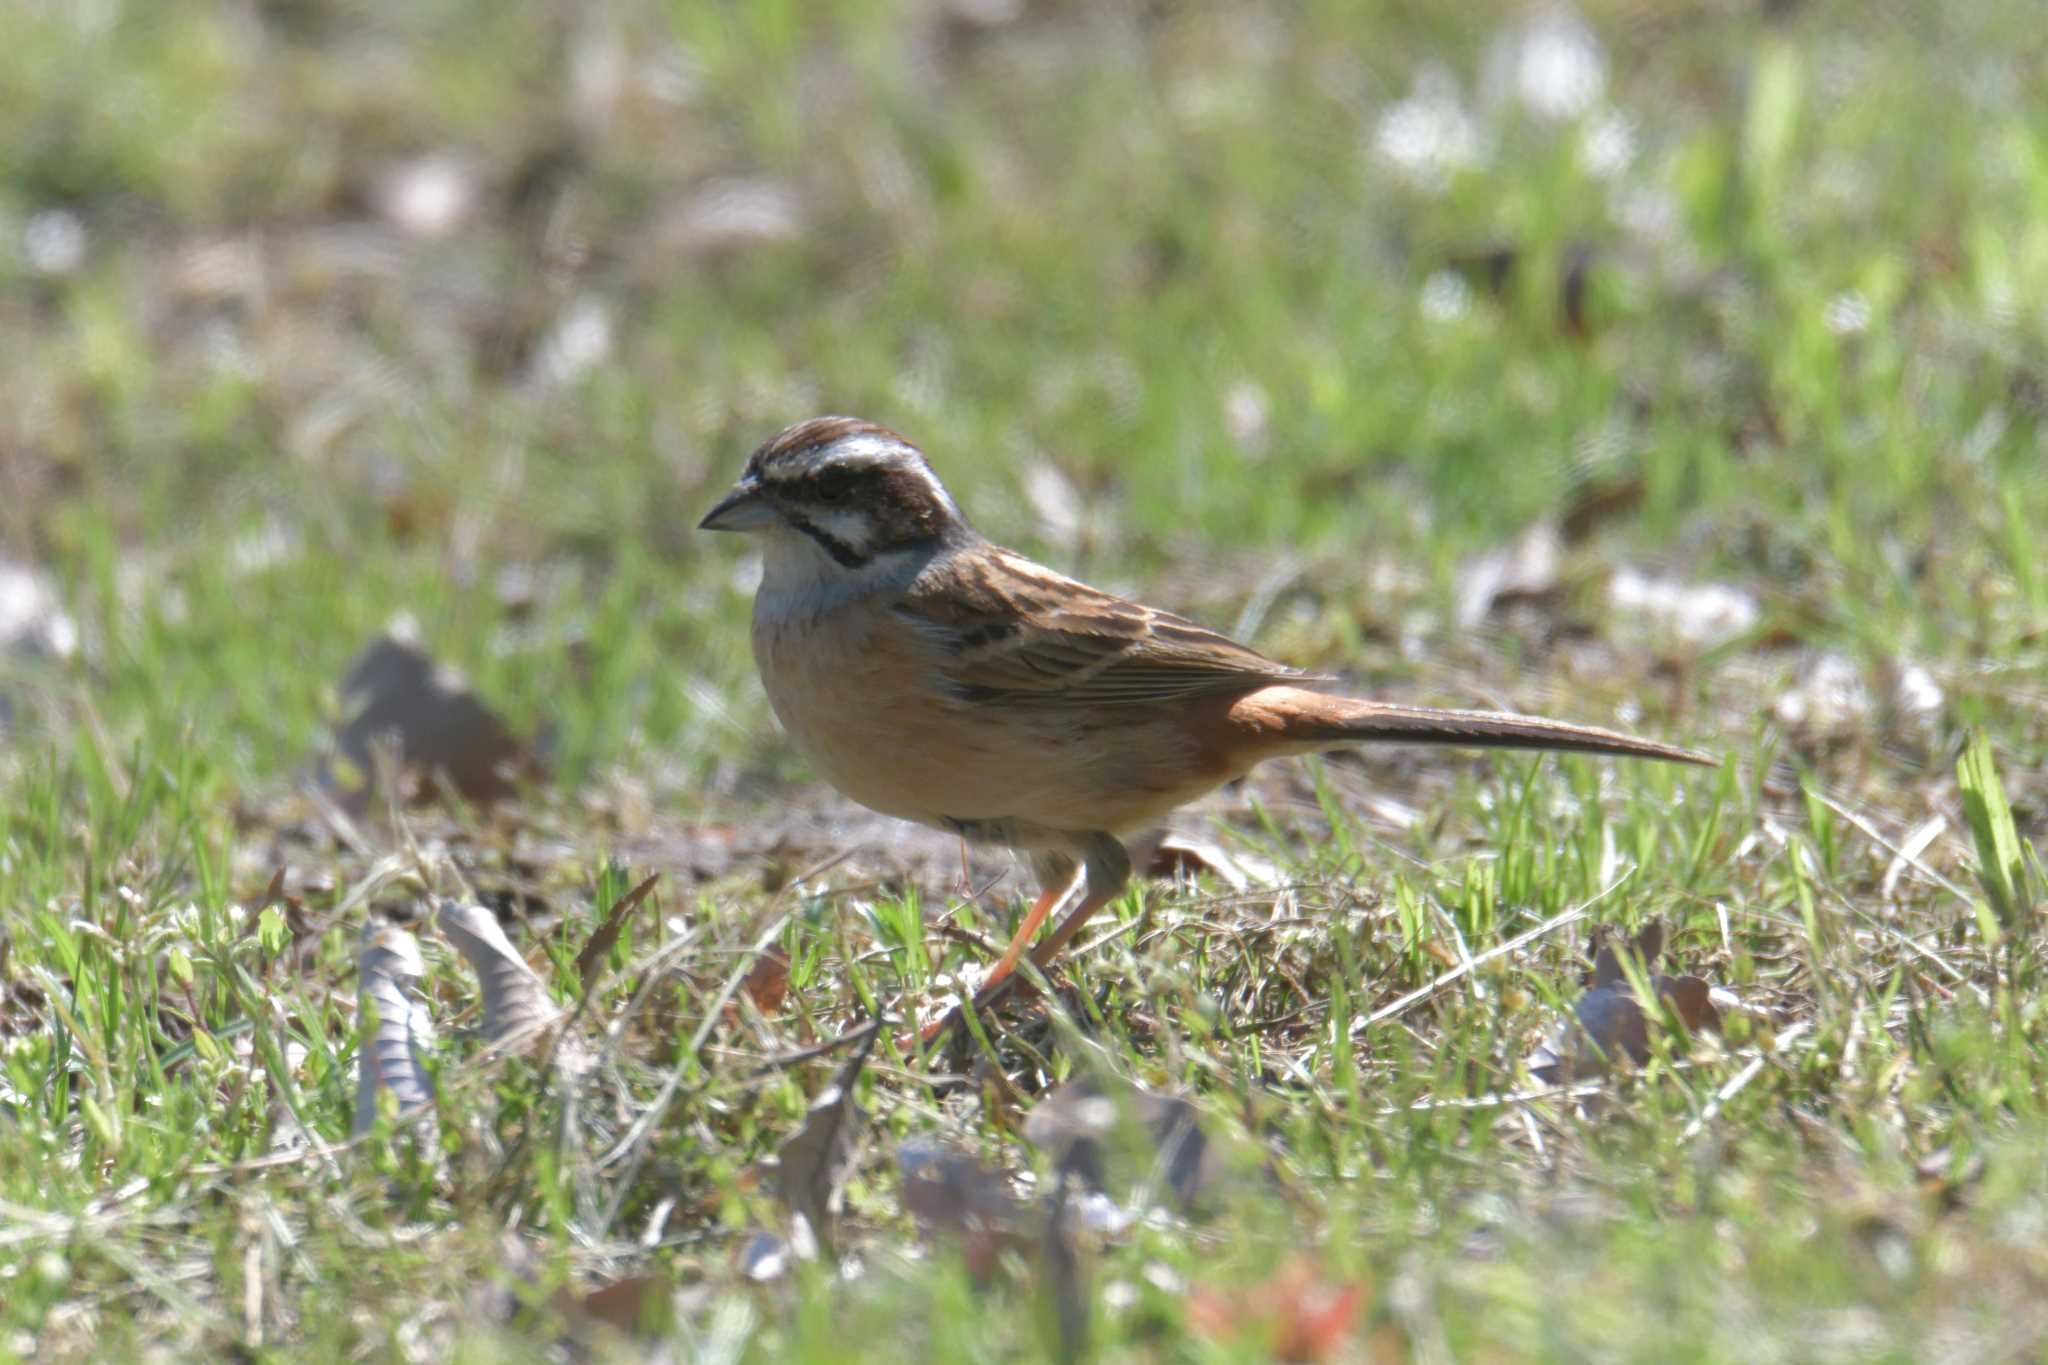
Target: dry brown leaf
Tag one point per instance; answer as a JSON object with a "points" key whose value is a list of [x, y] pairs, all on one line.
{"points": [[633, 1305], [954, 1196], [440, 733], [1065, 1272], [812, 1166], [1608, 1023], [590, 961], [399, 1034], [1163, 853], [767, 981], [22, 1006], [1598, 501], [1084, 1127], [516, 1003]]}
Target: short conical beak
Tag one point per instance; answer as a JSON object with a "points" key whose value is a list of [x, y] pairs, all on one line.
{"points": [[743, 509]]}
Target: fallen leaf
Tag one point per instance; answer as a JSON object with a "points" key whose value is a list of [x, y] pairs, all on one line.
{"points": [[392, 1054], [1294, 1314], [395, 694], [1648, 944], [812, 1166], [1598, 501], [1163, 853], [516, 1003], [767, 981], [590, 960], [953, 1196], [1083, 1127], [1066, 1277], [633, 1305], [1609, 1023]]}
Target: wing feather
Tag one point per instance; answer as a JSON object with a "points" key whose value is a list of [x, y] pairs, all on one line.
{"points": [[1013, 631]]}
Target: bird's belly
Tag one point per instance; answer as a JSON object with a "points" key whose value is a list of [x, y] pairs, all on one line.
{"points": [[860, 713], [862, 705]]}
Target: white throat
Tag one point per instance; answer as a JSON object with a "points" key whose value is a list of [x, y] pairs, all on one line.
{"points": [[800, 581]]}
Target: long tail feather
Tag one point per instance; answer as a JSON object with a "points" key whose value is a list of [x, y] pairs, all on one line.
{"points": [[1358, 721]]}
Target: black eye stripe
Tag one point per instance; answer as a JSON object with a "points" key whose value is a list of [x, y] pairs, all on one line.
{"points": [[834, 485]]}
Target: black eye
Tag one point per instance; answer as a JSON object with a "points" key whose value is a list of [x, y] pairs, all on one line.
{"points": [[832, 489]]}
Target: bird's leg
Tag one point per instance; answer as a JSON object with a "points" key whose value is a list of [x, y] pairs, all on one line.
{"points": [[1061, 877], [1108, 869], [1104, 872]]}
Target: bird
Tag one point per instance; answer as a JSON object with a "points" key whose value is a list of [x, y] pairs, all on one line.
{"points": [[932, 675]]}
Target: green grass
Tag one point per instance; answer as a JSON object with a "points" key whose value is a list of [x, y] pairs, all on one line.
{"points": [[1166, 259]]}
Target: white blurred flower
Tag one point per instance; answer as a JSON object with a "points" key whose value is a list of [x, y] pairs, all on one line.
{"points": [[1609, 145], [1445, 296], [1552, 64], [1428, 135], [53, 242], [428, 196], [577, 344], [1847, 313], [1693, 613], [1248, 416]]}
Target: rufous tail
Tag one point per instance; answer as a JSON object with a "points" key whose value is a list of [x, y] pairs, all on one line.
{"points": [[1320, 718]]}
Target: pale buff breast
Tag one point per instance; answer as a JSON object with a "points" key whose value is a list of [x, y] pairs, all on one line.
{"points": [[858, 696]]}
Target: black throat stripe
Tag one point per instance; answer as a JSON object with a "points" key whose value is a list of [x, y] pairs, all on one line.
{"points": [[845, 555]]}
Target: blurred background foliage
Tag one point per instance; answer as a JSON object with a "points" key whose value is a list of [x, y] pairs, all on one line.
{"points": [[1679, 364], [315, 310]]}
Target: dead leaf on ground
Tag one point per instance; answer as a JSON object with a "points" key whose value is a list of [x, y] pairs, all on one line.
{"points": [[399, 1034], [590, 960], [22, 1008], [1066, 1278], [439, 732], [1296, 1313], [1164, 853], [1086, 1127], [633, 1305], [766, 983], [1608, 1022], [955, 1198], [516, 1003], [1598, 501], [812, 1166]]}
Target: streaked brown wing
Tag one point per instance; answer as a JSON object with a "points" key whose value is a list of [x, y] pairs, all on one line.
{"points": [[1015, 631]]}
